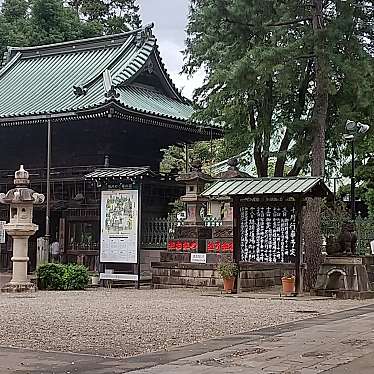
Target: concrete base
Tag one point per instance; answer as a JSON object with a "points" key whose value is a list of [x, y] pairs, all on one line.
{"points": [[15, 288], [344, 278], [342, 294]]}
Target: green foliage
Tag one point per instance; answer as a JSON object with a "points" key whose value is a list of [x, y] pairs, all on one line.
{"points": [[227, 269], [115, 15], [260, 61], [207, 152], [28, 23], [54, 276]]}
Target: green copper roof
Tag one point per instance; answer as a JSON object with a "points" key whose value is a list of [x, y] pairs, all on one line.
{"points": [[75, 77]]}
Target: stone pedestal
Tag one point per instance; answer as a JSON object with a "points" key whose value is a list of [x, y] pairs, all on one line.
{"points": [[344, 278], [20, 281]]}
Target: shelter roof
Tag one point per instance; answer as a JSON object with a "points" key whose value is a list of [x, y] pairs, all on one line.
{"points": [[268, 187], [123, 172], [78, 79]]}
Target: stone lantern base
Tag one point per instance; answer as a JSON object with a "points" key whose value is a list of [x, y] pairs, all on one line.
{"points": [[344, 278], [15, 288]]}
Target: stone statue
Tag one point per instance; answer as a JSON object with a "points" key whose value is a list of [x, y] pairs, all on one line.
{"points": [[345, 243]]}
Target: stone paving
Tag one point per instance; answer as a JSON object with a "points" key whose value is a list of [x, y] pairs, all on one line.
{"points": [[338, 343]]}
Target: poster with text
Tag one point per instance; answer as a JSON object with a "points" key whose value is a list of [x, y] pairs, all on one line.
{"points": [[119, 226]]}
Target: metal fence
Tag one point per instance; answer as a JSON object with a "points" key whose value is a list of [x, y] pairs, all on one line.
{"points": [[156, 232]]}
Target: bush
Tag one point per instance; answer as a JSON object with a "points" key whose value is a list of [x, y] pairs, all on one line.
{"points": [[62, 277], [227, 269]]}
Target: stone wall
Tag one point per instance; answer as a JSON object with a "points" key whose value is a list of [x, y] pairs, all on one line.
{"points": [[263, 275], [252, 276], [368, 261], [147, 256]]}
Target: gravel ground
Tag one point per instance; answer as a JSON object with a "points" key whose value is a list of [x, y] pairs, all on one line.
{"points": [[125, 322]]}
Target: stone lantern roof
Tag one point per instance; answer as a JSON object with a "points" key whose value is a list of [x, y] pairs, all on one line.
{"points": [[196, 173], [233, 171], [21, 194]]}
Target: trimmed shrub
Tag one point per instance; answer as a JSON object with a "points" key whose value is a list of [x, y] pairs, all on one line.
{"points": [[53, 276]]}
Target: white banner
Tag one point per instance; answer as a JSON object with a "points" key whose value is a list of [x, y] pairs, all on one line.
{"points": [[198, 258], [119, 226]]}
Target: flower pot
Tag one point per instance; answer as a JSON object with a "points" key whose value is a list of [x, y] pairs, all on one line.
{"points": [[288, 285], [228, 284], [95, 280]]}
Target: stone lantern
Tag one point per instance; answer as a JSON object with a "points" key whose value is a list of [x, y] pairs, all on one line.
{"points": [[195, 182], [20, 227]]}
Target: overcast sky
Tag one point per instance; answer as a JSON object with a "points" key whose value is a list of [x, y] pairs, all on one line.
{"points": [[170, 19]]}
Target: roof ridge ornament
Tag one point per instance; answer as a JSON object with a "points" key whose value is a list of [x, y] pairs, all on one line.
{"points": [[143, 34], [110, 91]]}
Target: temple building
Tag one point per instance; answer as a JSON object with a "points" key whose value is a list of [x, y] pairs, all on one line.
{"points": [[105, 102]]}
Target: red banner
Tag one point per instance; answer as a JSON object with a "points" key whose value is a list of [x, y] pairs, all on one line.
{"points": [[183, 245], [215, 246]]}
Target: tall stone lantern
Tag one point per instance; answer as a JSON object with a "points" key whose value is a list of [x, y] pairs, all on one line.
{"points": [[20, 227]]}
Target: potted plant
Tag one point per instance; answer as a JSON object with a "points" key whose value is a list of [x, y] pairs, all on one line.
{"points": [[228, 271], [288, 284], [95, 279]]}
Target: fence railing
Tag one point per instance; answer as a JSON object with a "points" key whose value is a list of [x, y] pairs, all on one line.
{"points": [[157, 231]]}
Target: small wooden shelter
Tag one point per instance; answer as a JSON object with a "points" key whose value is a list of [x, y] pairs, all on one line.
{"points": [[268, 216]]}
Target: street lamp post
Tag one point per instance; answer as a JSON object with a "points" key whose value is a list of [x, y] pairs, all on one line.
{"points": [[353, 182], [353, 130]]}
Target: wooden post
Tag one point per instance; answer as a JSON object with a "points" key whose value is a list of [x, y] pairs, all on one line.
{"points": [[299, 249], [48, 197], [236, 237], [139, 232]]}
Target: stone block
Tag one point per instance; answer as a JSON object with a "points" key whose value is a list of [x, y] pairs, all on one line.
{"points": [[248, 284], [175, 272], [343, 260], [344, 277]]}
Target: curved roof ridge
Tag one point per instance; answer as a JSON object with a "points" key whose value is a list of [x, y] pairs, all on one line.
{"points": [[83, 41], [167, 77], [135, 64]]}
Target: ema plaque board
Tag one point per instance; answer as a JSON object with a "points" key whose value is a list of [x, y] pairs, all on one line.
{"points": [[119, 226]]}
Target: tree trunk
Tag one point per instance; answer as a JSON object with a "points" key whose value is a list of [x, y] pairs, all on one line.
{"points": [[287, 137], [312, 223]]}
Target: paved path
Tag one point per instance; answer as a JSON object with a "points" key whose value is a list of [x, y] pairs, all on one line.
{"points": [[338, 343]]}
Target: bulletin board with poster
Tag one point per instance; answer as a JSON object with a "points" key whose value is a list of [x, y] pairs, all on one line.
{"points": [[119, 226]]}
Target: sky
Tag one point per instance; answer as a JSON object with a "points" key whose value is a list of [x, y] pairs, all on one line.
{"points": [[170, 19]]}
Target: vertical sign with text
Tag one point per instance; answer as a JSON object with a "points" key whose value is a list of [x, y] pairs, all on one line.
{"points": [[119, 226]]}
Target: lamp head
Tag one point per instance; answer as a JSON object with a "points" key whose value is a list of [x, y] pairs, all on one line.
{"points": [[362, 128], [350, 126]]}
